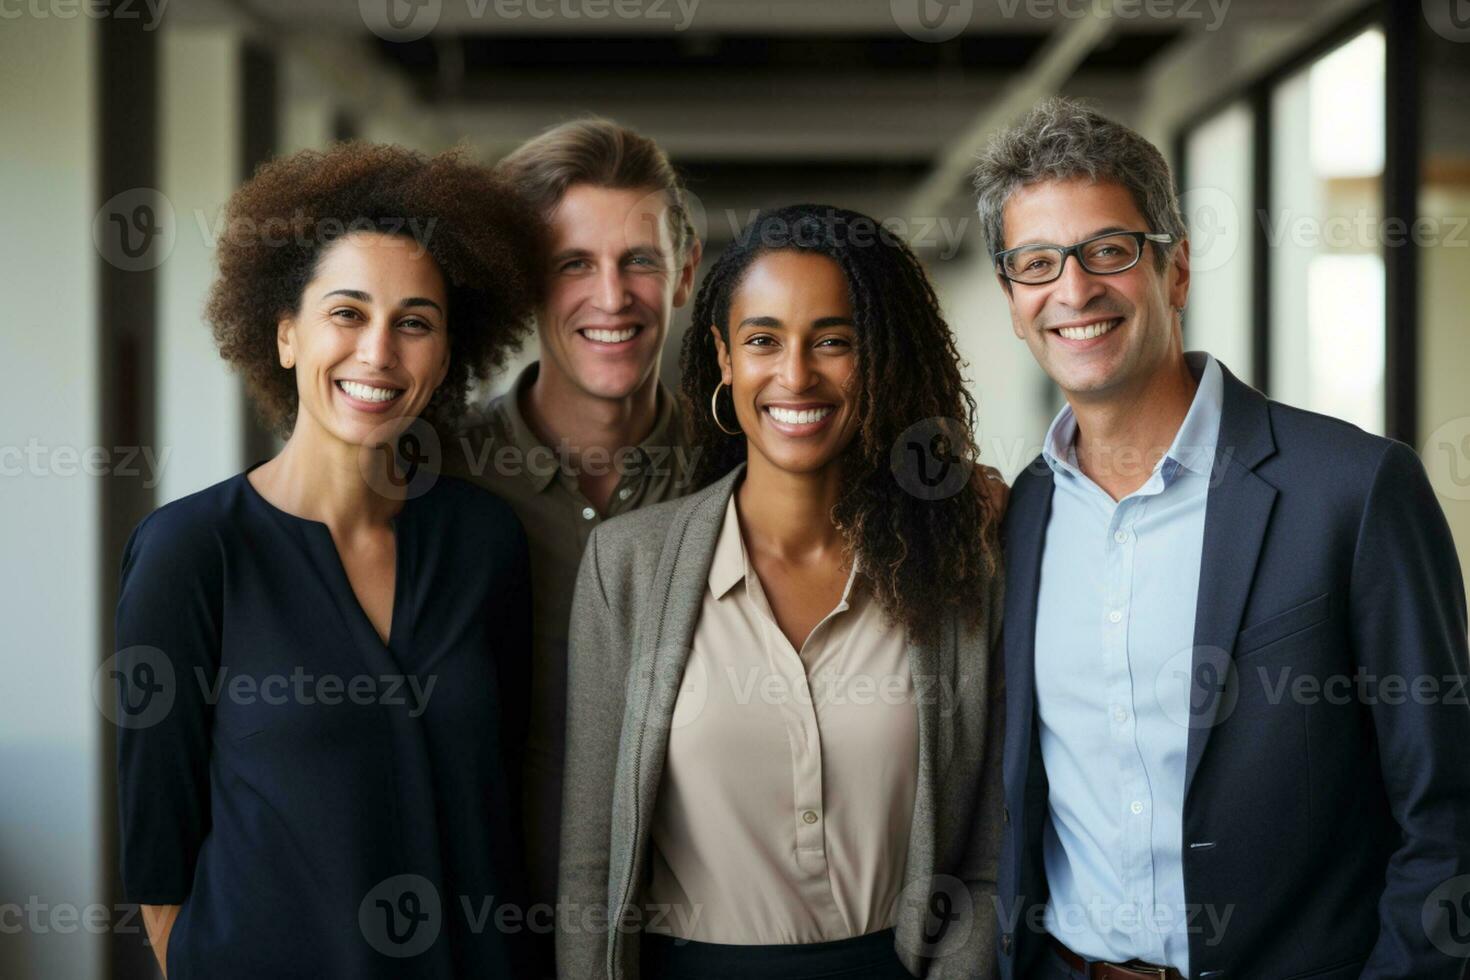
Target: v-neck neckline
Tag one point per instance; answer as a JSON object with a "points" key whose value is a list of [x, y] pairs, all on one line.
{"points": [[344, 581]]}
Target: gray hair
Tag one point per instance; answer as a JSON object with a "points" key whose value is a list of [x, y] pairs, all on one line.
{"points": [[1061, 139]]}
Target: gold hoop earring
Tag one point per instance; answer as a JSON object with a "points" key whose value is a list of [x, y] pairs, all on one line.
{"points": [[714, 409]]}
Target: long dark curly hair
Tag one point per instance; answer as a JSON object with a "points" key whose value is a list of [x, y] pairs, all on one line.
{"points": [[922, 553], [488, 243]]}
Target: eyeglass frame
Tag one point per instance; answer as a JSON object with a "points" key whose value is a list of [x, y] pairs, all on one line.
{"points": [[1157, 237]]}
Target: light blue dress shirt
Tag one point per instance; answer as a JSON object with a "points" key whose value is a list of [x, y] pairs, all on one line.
{"points": [[1114, 639]]}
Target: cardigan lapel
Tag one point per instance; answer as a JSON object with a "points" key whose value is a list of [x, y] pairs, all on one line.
{"points": [[661, 642], [665, 635], [933, 670]]}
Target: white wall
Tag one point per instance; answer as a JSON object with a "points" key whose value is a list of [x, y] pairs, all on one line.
{"points": [[1015, 397], [1444, 359], [1217, 205], [50, 834], [200, 402]]}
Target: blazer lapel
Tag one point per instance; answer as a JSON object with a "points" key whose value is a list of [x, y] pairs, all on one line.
{"points": [[1025, 536], [1236, 514], [936, 722]]}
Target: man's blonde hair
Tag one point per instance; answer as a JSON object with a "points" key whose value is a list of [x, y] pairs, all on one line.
{"points": [[600, 153]]}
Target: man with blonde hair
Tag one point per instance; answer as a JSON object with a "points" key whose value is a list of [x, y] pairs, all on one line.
{"points": [[588, 431]]}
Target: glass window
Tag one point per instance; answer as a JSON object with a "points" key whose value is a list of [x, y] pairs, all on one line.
{"points": [[1324, 232], [1216, 204]]}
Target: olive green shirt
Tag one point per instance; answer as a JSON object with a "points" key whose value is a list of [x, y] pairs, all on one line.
{"points": [[498, 450]]}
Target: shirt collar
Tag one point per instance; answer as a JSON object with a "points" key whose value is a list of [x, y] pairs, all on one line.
{"points": [[1194, 444], [666, 433], [728, 566], [731, 563], [518, 432]]}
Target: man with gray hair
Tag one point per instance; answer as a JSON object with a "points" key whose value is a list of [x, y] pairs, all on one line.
{"points": [[1199, 781]]}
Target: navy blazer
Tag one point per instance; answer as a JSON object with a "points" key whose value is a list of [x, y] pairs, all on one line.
{"points": [[1327, 797]]}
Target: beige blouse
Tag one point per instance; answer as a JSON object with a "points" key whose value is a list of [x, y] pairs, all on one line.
{"points": [[788, 792]]}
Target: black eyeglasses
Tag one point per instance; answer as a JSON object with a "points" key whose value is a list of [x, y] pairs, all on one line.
{"points": [[1102, 255]]}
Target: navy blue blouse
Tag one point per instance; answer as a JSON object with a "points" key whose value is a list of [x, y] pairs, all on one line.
{"points": [[320, 803]]}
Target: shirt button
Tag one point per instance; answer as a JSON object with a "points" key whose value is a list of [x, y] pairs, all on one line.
{"points": [[1137, 807], [1120, 536], [810, 816], [588, 513], [625, 493], [1116, 616], [1119, 715]]}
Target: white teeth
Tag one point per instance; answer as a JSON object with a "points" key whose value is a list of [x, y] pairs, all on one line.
{"points": [[790, 417], [1089, 331], [610, 336], [368, 393]]}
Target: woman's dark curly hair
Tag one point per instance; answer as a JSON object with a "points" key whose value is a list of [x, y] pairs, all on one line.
{"points": [[923, 553], [487, 242]]}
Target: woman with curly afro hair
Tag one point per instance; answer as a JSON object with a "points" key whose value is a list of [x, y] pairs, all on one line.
{"points": [[811, 729], [322, 668]]}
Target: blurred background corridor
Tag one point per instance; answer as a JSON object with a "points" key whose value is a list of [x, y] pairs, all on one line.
{"points": [[1322, 150]]}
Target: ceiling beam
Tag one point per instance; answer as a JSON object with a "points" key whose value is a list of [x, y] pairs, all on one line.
{"points": [[1053, 66]]}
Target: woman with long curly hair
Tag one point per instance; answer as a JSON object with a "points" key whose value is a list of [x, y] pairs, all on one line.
{"points": [[322, 660], [785, 690]]}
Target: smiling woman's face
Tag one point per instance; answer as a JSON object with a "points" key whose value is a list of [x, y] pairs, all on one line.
{"points": [[370, 342], [791, 363]]}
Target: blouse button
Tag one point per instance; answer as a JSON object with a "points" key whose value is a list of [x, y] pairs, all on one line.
{"points": [[810, 816], [588, 513], [625, 493]]}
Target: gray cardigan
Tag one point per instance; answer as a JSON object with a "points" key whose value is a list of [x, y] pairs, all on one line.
{"points": [[636, 606]]}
